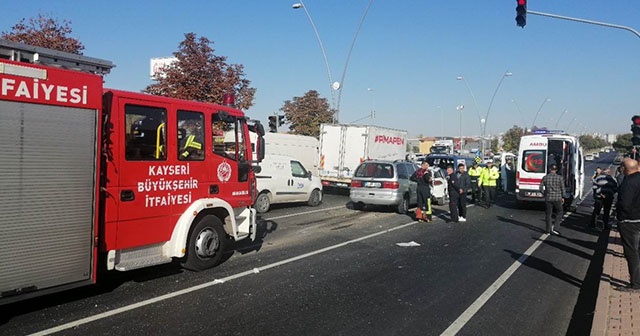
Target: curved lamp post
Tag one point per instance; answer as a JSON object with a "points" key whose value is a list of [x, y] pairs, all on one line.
{"points": [[486, 117], [334, 86], [475, 103], [524, 122], [560, 117], [539, 109]]}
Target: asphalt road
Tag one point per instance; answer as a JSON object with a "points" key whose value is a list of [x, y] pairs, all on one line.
{"points": [[331, 270]]}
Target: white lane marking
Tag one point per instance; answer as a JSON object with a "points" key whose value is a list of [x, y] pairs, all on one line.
{"points": [[466, 316], [462, 320], [252, 271], [304, 213]]}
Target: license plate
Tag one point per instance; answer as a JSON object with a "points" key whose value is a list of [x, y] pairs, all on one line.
{"points": [[533, 193], [372, 184]]}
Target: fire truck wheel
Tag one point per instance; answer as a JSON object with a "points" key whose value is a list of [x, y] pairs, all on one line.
{"points": [[206, 246], [263, 202], [315, 198]]}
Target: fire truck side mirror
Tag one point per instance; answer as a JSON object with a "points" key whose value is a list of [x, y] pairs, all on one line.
{"points": [[257, 128], [260, 150]]}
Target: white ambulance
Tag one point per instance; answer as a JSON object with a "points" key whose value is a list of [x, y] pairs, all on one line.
{"points": [[540, 150]]}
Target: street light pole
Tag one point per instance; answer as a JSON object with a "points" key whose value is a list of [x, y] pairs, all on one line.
{"points": [[346, 62], [524, 122], [334, 86], [560, 117], [373, 102], [459, 108], [571, 122], [539, 109], [475, 103], [486, 117]]}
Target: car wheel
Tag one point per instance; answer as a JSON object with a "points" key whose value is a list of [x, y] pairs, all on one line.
{"points": [[263, 202], [356, 205], [315, 198], [403, 207]]}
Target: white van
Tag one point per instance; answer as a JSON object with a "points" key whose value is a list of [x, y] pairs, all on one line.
{"points": [[283, 179], [540, 150]]}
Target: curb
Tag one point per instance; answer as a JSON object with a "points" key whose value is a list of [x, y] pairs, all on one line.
{"points": [[616, 313]]}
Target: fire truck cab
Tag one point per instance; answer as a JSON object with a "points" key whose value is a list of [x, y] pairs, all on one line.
{"points": [[540, 150], [96, 178]]}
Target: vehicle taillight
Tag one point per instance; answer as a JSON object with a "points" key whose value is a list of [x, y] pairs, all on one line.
{"points": [[326, 183], [356, 184], [437, 183], [390, 185], [517, 178]]}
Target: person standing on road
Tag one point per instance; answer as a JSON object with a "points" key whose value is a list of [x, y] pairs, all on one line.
{"points": [[464, 182], [619, 174], [453, 185], [596, 174], [628, 214], [474, 177], [604, 188], [422, 177], [552, 186], [489, 180]]}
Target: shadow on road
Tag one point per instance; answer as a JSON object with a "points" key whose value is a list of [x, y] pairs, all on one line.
{"points": [[546, 267]]}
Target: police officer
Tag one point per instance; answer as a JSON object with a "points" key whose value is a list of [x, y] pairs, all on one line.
{"points": [[474, 174], [489, 180]]}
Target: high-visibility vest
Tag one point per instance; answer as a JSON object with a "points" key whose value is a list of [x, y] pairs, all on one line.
{"points": [[489, 177], [475, 172]]}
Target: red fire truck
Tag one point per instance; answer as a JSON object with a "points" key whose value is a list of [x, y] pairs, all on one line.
{"points": [[94, 178]]}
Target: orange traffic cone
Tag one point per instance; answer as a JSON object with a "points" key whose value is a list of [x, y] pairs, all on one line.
{"points": [[419, 214]]}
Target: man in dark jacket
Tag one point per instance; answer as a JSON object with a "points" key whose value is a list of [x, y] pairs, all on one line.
{"points": [[604, 189], [552, 186], [628, 214], [464, 181], [453, 186]]}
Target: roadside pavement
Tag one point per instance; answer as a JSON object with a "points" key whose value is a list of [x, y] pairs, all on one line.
{"points": [[616, 313]]}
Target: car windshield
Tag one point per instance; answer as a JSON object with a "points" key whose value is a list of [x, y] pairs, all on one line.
{"points": [[375, 170]]}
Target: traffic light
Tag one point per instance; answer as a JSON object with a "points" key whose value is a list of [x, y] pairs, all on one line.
{"points": [[635, 129], [280, 120], [521, 13], [273, 127]]}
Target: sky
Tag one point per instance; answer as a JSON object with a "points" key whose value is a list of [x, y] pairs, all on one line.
{"points": [[405, 61]]}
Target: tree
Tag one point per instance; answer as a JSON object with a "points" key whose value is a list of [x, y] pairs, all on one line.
{"points": [[623, 143], [590, 142], [44, 32], [511, 139], [494, 145], [305, 114], [202, 76]]}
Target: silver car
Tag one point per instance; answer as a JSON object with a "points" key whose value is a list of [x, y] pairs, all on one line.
{"points": [[381, 182]]}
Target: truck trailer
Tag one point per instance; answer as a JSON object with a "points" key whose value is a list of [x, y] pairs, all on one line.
{"points": [[343, 147]]}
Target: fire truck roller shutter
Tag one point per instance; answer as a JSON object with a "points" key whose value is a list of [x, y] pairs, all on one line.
{"points": [[47, 195]]}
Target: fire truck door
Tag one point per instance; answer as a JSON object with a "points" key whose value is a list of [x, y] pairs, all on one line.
{"points": [[229, 168], [145, 193]]}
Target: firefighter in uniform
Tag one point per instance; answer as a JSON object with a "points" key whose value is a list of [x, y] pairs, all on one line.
{"points": [[423, 178], [474, 174], [489, 180]]}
